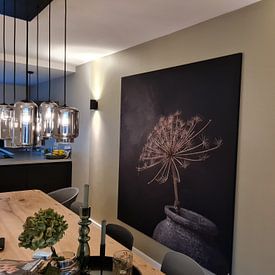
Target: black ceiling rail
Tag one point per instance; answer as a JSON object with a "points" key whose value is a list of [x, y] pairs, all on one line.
{"points": [[26, 9]]}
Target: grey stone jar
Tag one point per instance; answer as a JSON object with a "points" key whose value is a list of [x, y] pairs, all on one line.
{"points": [[189, 233]]}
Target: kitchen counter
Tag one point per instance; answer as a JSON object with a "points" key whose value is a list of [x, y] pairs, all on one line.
{"points": [[30, 170], [29, 158]]}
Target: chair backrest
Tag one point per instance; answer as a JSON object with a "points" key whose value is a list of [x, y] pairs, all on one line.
{"points": [[175, 263], [120, 234], [65, 196], [75, 207]]}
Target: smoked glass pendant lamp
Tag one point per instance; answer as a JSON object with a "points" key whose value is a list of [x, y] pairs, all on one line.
{"points": [[6, 110], [24, 127], [25, 113], [9, 142], [6, 124], [67, 123], [48, 109], [48, 114]]}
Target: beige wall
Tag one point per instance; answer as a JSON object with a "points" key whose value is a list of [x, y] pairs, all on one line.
{"points": [[78, 95], [251, 31]]}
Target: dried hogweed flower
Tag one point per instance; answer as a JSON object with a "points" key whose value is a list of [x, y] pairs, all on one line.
{"points": [[173, 144]]}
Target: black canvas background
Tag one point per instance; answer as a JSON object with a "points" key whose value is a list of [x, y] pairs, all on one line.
{"points": [[208, 88]]}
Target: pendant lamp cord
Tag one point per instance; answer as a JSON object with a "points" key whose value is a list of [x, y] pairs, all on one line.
{"points": [[65, 54], [29, 75], [14, 51], [4, 52], [37, 54], [49, 51], [27, 59]]}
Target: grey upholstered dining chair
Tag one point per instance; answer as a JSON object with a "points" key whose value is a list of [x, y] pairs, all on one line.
{"points": [[175, 263], [120, 234], [75, 207], [65, 196]]}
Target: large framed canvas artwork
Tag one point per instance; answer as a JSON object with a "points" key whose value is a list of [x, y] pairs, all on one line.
{"points": [[178, 153]]}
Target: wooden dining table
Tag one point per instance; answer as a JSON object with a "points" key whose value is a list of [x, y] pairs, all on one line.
{"points": [[15, 207]]}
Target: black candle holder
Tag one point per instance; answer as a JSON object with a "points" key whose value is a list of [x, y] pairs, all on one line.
{"points": [[83, 251]]}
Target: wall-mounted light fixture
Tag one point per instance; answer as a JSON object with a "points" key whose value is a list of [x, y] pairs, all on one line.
{"points": [[93, 104]]}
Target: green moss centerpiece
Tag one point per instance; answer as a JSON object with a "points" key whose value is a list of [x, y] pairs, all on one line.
{"points": [[42, 230]]}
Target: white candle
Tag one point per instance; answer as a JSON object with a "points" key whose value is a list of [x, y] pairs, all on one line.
{"points": [[103, 231], [86, 196]]}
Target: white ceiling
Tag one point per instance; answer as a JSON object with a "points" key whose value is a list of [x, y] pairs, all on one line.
{"points": [[100, 27]]}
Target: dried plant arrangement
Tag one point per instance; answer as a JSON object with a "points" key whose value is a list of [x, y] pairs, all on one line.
{"points": [[42, 230], [176, 143]]}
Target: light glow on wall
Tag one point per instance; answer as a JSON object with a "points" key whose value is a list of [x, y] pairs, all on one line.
{"points": [[79, 54], [96, 126], [96, 80]]}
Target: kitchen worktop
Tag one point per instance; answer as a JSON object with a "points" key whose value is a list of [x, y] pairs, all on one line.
{"points": [[31, 157]]}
